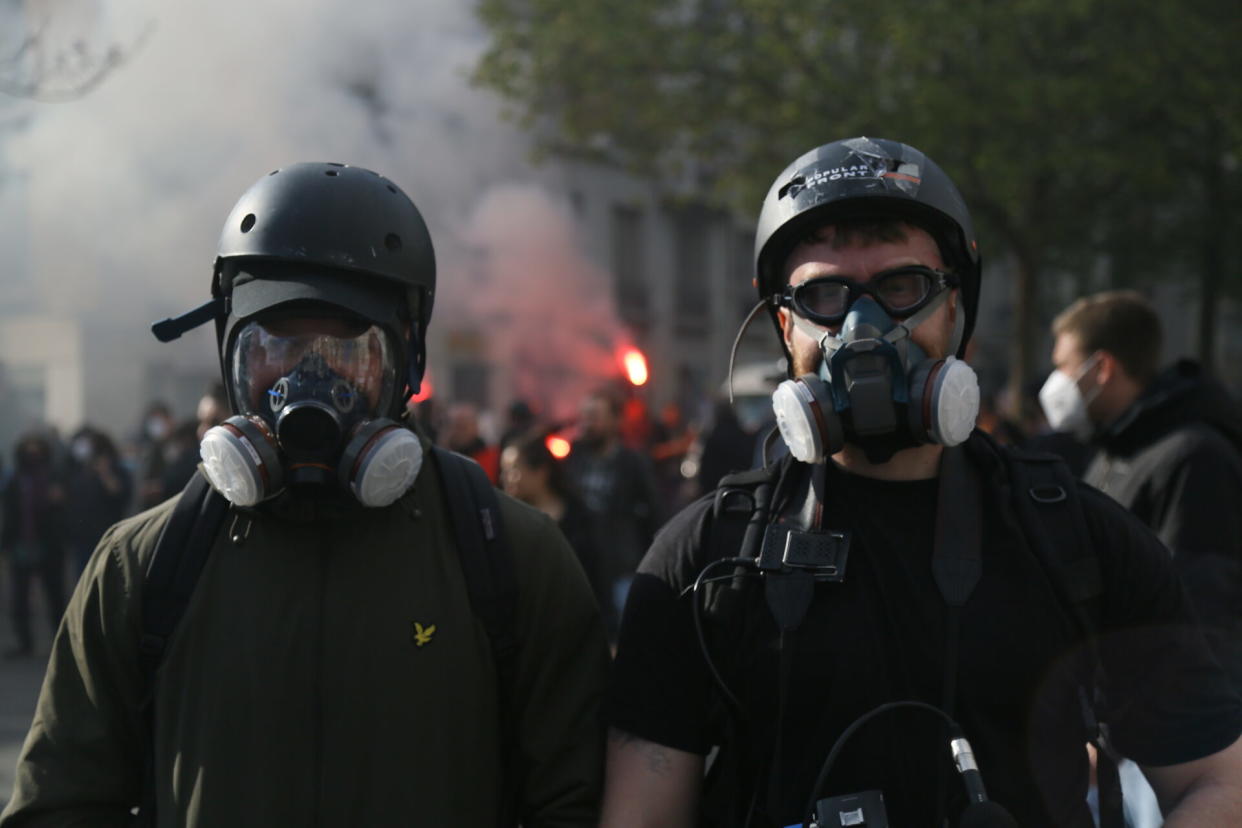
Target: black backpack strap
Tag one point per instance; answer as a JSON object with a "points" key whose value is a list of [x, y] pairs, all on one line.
{"points": [[742, 507], [487, 563], [180, 554], [1046, 498]]}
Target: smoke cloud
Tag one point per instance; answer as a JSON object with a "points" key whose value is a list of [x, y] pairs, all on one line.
{"points": [[125, 189], [541, 302]]}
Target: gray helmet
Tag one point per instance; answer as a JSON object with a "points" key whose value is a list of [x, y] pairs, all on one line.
{"points": [[867, 178]]}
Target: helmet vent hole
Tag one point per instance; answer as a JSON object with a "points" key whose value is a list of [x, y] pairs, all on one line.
{"points": [[273, 172], [247, 222], [393, 242], [335, 164], [794, 184], [392, 189], [331, 173]]}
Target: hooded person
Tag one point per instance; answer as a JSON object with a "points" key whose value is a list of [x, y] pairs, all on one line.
{"points": [[330, 666], [1168, 447], [865, 630]]}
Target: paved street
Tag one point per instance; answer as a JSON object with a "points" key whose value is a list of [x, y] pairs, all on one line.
{"points": [[19, 684]]}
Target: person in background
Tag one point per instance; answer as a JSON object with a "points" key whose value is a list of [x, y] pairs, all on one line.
{"points": [[1168, 447], [462, 435], [99, 490], [31, 537], [154, 454], [181, 448], [671, 437], [529, 472], [521, 419], [618, 486], [213, 408]]}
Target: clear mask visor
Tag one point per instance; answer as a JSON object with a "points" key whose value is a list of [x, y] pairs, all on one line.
{"points": [[353, 358]]}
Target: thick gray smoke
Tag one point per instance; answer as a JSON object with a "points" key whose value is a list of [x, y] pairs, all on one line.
{"points": [[124, 190]]}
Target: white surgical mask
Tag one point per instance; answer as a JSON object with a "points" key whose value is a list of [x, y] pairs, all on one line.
{"points": [[1064, 404]]}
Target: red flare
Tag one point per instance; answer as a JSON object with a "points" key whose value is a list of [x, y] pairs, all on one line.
{"points": [[558, 446], [635, 366]]}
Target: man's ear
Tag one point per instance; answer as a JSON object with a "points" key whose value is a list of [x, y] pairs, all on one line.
{"points": [[1106, 368], [785, 320]]}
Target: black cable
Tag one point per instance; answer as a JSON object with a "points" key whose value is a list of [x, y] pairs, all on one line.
{"points": [[718, 579], [730, 699], [737, 340], [735, 706], [809, 811]]}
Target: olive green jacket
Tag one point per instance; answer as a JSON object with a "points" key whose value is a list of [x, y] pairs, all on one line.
{"points": [[327, 672]]}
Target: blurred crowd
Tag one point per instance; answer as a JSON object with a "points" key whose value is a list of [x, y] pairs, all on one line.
{"points": [[58, 495], [609, 477]]}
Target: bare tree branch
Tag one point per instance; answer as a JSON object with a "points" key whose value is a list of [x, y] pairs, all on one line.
{"points": [[41, 70]]}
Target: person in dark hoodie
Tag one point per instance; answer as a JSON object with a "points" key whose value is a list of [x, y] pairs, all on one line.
{"points": [[1168, 447]]}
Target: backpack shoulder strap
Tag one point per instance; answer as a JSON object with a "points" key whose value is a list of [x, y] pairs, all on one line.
{"points": [[180, 554], [1046, 498], [487, 563], [1048, 504], [483, 549], [741, 508]]}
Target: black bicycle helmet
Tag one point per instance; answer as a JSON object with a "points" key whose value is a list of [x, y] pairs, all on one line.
{"points": [[332, 234], [867, 178]]}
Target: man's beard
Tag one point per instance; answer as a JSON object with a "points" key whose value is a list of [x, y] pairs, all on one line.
{"points": [[807, 362]]}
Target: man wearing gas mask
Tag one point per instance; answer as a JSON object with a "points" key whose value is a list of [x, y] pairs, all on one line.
{"points": [[335, 623], [867, 631]]}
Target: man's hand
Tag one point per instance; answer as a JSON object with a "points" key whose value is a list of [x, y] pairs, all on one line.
{"points": [[1206, 791], [647, 785]]}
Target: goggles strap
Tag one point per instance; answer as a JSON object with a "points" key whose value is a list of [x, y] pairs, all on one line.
{"points": [[906, 326]]}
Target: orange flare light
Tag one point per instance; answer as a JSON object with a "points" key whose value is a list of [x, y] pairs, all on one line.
{"points": [[635, 366], [558, 446]]}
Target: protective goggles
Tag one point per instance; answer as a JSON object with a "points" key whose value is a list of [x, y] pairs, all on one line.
{"points": [[354, 356], [901, 292]]}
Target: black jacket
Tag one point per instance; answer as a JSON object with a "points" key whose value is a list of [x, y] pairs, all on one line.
{"points": [[1174, 459]]}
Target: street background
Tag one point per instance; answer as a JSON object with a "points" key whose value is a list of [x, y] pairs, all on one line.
{"points": [[20, 680]]}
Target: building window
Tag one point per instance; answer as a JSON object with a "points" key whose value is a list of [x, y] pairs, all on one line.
{"points": [[630, 283], [692, 282]]}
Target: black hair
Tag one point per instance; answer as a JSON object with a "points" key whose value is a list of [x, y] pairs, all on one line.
{"points": [[532, 450]]}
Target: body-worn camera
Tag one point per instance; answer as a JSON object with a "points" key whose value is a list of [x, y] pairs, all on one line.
{"points": [[859, 810]]}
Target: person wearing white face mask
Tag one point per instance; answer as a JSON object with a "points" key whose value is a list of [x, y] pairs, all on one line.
{"points": [[1064, 401], [1168, 447]]}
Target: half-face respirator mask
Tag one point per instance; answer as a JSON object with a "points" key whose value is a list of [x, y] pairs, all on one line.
{"points": [[308, 392], [875, 387]]}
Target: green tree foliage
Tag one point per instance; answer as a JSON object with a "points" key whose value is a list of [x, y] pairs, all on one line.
{"points": [[1084, 133]]}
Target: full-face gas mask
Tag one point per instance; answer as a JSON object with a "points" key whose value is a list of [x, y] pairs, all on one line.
{"points": [[875, 387], [309, 391]]}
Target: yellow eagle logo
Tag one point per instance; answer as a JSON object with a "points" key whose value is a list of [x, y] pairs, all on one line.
{"points": [[422, 635]]}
